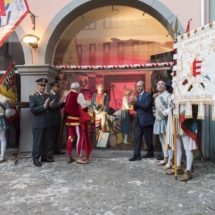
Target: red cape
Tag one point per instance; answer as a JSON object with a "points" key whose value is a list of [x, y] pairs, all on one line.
{"points": [[84, 119]]}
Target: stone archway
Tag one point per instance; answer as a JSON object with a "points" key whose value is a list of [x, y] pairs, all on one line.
{"points": [[76, 8]]}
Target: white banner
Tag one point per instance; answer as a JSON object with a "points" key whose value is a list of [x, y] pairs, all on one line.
{"points": [[195, 77], [15, 12]]}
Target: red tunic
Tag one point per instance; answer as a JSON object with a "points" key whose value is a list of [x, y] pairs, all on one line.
{"points": [[72, 109]]}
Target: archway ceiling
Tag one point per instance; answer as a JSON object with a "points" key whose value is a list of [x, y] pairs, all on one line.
{"points": [[151, 33]]}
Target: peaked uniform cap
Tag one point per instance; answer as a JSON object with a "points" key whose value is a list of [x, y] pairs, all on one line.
{"points": [[54, 83], [42, 81]]}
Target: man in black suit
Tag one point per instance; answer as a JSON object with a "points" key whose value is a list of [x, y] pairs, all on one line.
{"points": [[145, 120], [56, 119], [40, 104]]}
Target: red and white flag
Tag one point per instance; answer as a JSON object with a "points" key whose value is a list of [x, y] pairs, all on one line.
{"points": [[15, 12], [188, 26], [2, 8]]}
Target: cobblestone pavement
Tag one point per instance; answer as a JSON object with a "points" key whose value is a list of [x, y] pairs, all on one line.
{"points": [[106, 186]]}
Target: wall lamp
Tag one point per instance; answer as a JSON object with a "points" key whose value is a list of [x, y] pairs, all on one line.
{"points": [[31, 40]]}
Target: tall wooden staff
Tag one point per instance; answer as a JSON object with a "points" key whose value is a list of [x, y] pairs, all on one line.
{"points": [[174, 114], [175, 148]]}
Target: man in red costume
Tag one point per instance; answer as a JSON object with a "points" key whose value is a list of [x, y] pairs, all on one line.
{"points": [[75, 104]]}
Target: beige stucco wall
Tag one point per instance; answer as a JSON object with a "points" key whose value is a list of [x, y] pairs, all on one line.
{"points": [[49, 13]]}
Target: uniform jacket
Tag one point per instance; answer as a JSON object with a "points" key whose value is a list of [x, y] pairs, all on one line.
{"points": [[56, 117], [144, 110], [40, 115]]}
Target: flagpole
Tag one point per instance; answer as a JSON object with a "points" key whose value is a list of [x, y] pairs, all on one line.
{"points": [[175, 149]]}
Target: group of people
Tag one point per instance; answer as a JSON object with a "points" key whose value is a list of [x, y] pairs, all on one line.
{"points": [[47, 121], [162, 126]]}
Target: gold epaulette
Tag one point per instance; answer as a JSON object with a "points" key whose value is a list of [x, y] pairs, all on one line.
{"points": [[32, 94]]}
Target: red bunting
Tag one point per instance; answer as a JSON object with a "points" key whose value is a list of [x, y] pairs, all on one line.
{"points": [[2, 8]]}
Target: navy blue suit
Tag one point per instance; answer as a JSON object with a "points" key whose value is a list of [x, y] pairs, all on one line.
{"points": [[144, 124]]}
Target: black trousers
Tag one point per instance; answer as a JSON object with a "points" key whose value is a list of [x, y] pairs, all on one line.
{"points": [[54, 143], [40, 142], [147, 131]]}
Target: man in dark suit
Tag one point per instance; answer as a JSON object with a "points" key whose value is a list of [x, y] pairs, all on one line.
{"points": [[56, 119], [40, 104], [145, 120]]}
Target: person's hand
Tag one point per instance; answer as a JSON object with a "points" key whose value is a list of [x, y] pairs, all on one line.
{"points": [[46, 102], [62, 99], [52, 103], [134, 99]]}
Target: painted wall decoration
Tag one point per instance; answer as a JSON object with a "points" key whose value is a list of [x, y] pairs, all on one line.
{"points": [[194, 76]]}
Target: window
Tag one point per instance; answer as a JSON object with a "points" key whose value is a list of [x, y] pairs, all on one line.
{"points": [[92, 26], [113, 22]]}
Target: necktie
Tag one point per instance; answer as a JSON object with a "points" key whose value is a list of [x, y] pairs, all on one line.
{"points": [[139, 97]]}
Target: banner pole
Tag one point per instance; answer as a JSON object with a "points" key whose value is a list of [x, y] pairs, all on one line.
{"points": [[175, 150]]}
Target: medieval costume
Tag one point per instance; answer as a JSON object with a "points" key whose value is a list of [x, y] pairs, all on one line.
{"points": [[161, 104], [187, 137], [4, 108], [125, 116], [74, 101], [100, 106]]}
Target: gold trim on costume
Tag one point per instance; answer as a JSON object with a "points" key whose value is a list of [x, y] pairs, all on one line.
{"points": [[73, 117], [73, 123]]}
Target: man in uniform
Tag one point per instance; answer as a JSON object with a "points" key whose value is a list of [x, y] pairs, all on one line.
{"points": [[56, 119], [40, 104]]}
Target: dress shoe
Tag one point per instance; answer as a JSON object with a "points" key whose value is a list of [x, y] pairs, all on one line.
{"points": [[163, 162], [135, 158], [47, 160], [160, 157], [70, 159], [37, 163], [187, 176], [172, 171], [59, 153], [148, 156], [81, 160]]}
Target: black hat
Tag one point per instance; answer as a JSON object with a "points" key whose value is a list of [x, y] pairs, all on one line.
{"points": [[42, 81], [57, 79], [54, 83]]}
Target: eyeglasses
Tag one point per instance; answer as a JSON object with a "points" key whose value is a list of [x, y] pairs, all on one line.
{"points": [[42, 85]]}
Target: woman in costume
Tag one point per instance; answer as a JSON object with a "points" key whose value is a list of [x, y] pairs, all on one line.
{"points": [[161, 105], [4, 113], [125, 115]]}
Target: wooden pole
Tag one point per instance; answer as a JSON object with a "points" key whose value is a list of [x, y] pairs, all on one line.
{"points": [[175, 149]]}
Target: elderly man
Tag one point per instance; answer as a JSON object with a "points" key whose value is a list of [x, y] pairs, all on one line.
{"points": [[40, 105], [145, 120], [162, 101], [73, 100]]}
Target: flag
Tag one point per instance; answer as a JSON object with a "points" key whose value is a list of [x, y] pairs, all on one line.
{"points": [[2, 8], [188, 26], [190, 126], [15, 12], [8, 84], [70, 56]]}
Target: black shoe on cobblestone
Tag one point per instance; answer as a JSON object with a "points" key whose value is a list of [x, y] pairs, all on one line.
{"points": [[37, 163], [135, 158], [160, 157]]}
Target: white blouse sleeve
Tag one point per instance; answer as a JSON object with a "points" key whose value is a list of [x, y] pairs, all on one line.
{"points": [[81, 101]]}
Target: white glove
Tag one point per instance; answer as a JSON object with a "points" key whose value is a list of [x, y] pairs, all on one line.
{"points": [[166, 112]]}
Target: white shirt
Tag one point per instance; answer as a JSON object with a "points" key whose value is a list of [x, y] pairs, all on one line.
{"points": [[53, 92], [81, 100]]}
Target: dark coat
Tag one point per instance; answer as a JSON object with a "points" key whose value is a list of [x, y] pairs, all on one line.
{"points": [[40, 114], [144, 110], [56, 117]]}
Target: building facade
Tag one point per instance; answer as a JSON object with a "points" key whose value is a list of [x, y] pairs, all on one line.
{"points": [[98, 32]]}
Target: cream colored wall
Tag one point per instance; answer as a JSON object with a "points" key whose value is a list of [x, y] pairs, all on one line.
{"points": [[185, 10], [46, 11]]}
